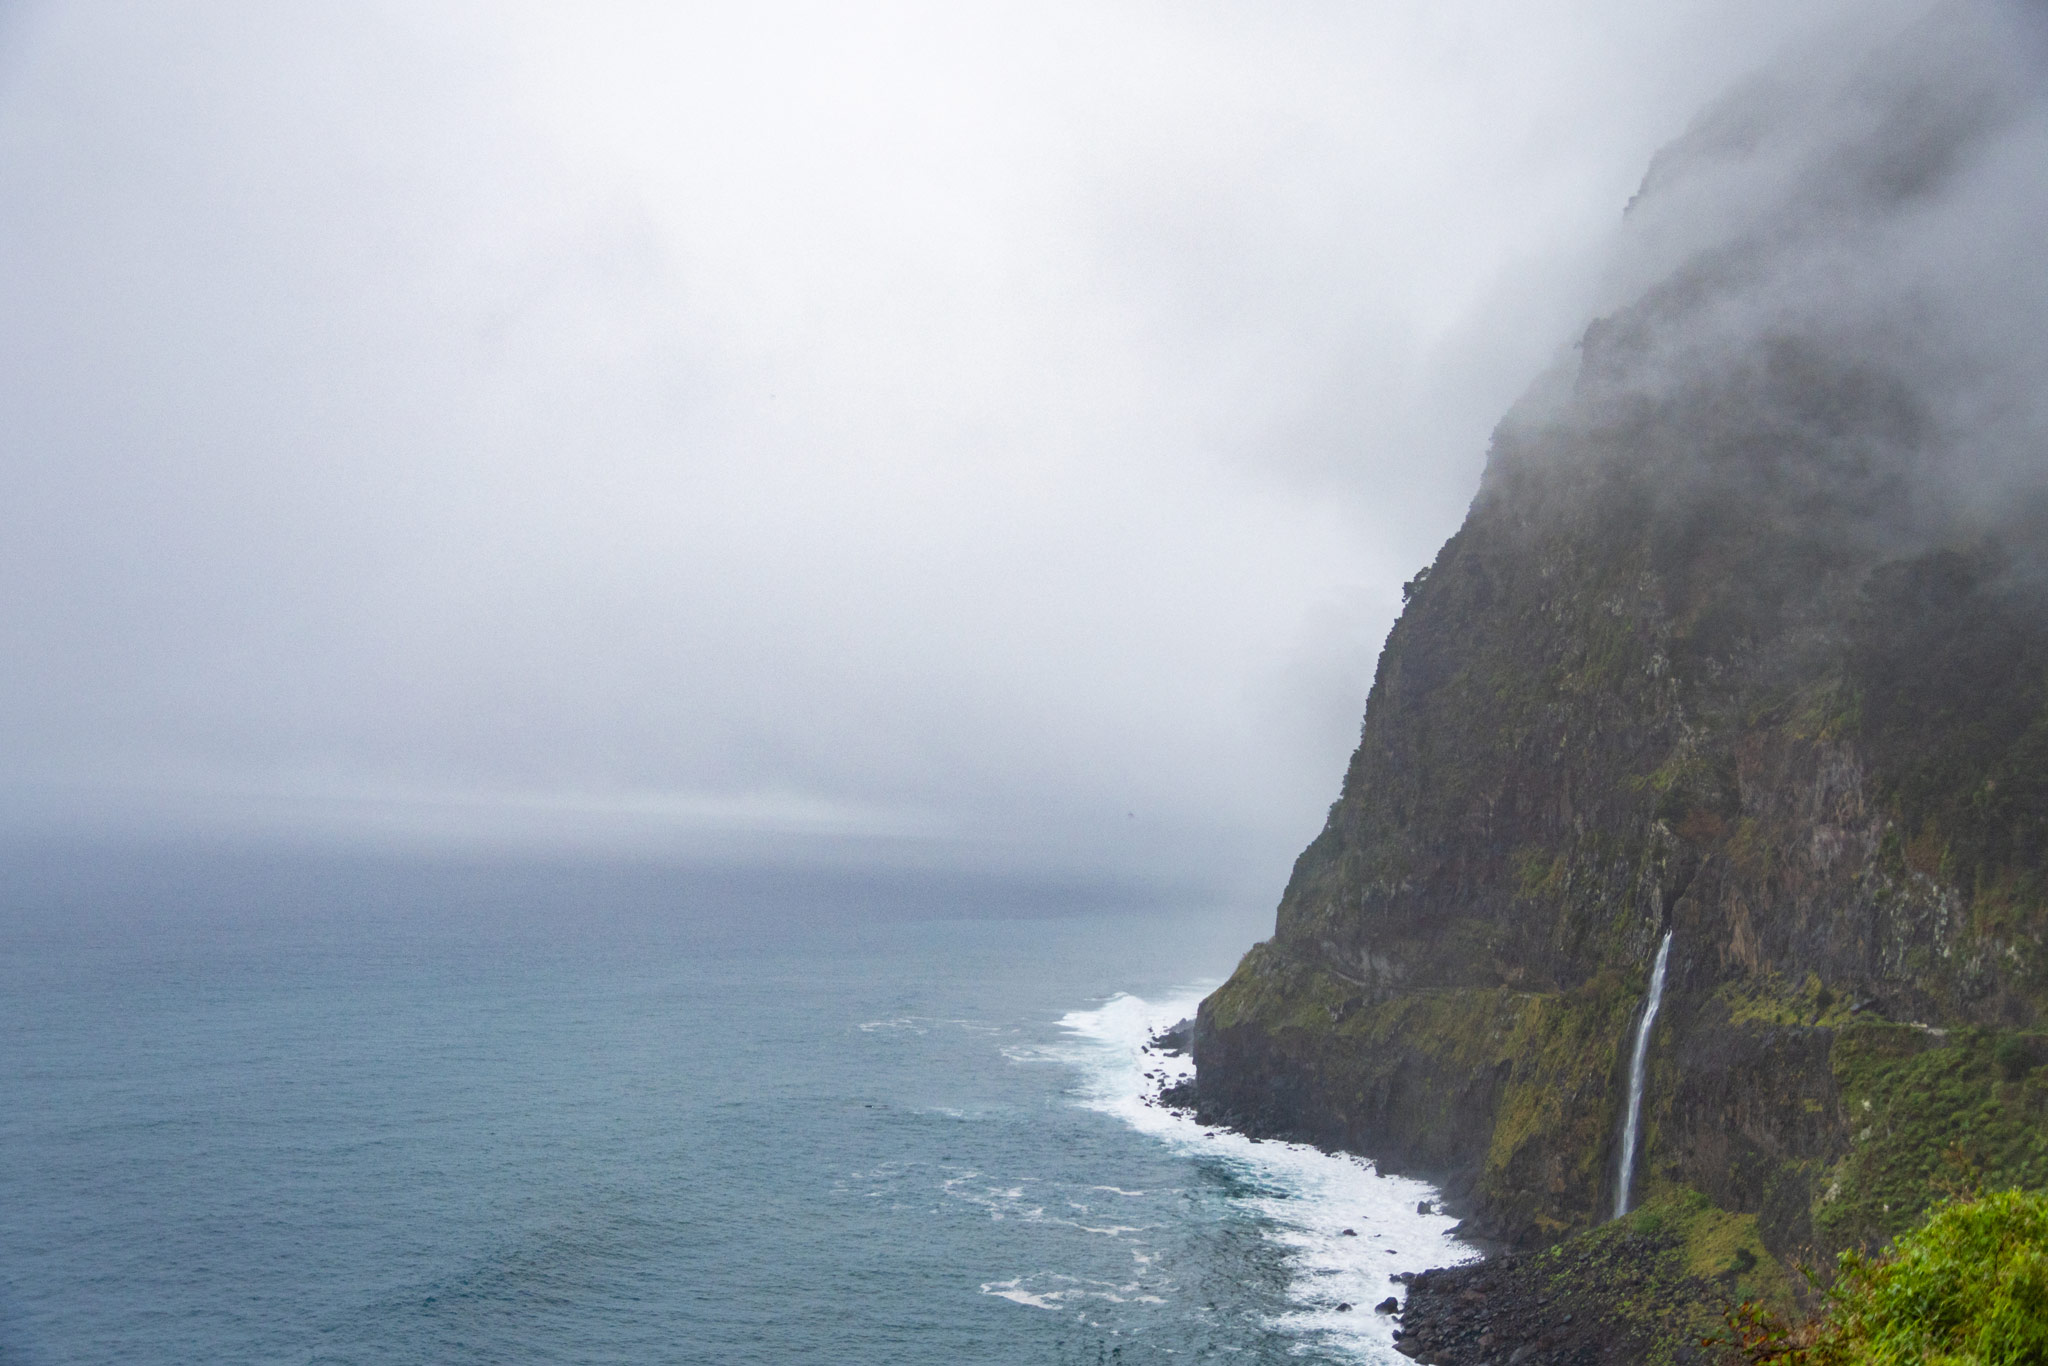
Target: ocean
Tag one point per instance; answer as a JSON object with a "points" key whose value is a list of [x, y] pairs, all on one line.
{"points": [[285, 1108]]}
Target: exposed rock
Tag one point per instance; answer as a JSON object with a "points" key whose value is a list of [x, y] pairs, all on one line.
{"points": [[1714, 652], [1558, 1307], [1182, 1095], [1175, 1039]]}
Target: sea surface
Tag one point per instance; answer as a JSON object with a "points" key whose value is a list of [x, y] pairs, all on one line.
{"points": [[286, 1108]]}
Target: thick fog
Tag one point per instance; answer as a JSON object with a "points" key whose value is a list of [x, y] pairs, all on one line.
{"points": [[932, 433], [1849, 247]]}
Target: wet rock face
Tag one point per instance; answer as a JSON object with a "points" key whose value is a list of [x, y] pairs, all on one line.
{"points": [[1752, 1114], [1176, 1039], [1713, 653]]}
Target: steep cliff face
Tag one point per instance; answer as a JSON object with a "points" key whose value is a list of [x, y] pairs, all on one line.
{"points": [[1745, 637]]}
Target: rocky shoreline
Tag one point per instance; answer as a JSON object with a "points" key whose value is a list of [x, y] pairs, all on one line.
{"points": [[1612, 1301], [1615, 1297]]}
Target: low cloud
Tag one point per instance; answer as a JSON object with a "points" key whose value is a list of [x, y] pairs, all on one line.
{"points": [[597, 425]]}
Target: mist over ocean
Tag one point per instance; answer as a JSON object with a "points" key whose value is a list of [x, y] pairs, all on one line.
{"points": [[287, 1108]]}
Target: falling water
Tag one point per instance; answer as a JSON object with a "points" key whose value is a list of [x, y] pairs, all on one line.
{"points": [[1635, 1076]]}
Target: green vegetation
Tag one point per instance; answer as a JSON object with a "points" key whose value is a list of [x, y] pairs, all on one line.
{"points": [[1278, 994], [1825, 712], [1928, 1116], [1768, 999], [1548, 1128], [1717, 1246], [1969, 1288]]}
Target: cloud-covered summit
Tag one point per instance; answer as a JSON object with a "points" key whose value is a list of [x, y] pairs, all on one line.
{"points": [[1836, 274]]}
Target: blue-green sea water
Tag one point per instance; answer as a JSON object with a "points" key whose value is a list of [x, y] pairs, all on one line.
{"points": [[292, 1109]]}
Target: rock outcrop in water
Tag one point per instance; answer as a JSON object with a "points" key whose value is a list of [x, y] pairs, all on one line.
{"points": [[1744, 639]]}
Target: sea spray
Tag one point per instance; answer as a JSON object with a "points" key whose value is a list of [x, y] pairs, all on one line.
{"points": [[1345, 1226], [1635, 1077]]}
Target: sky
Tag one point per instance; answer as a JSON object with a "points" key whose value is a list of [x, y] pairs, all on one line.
{"points": [[969, 435]]}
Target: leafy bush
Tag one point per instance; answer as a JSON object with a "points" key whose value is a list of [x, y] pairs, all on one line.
{"points": [[1968, 1288]]}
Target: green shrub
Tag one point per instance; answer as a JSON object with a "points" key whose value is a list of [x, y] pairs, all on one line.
{"points": [[1967, 1288]]}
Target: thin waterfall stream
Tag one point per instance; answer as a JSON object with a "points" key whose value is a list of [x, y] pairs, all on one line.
{"points": [[1635, 1077]]}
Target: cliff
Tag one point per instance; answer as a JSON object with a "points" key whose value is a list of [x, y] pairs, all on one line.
{"points": [[1745, 637]]}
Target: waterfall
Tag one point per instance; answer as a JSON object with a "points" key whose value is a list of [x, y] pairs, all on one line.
{"points": [[1635, 1076]]}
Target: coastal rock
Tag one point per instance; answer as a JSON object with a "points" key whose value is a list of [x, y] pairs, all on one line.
{"points": [[1554, 1308], [1174, 1039], [1716, 653]]}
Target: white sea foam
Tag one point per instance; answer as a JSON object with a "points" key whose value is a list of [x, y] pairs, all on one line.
{"points": [[1014, 1291], [1050, 1291], [909, 1023], [924, 1024], [1308, 1198]]}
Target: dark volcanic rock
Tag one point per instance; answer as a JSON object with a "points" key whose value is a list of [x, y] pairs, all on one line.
{"points": [[1174, 1039], [1560, 1307], [1718, 651]]}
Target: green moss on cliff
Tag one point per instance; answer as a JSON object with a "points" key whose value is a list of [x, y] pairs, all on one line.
{"points": [[1278, 993], [1824, 712], [1768, 999], [1718, 1246], [1931, 1115], [1544, 1152]]}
